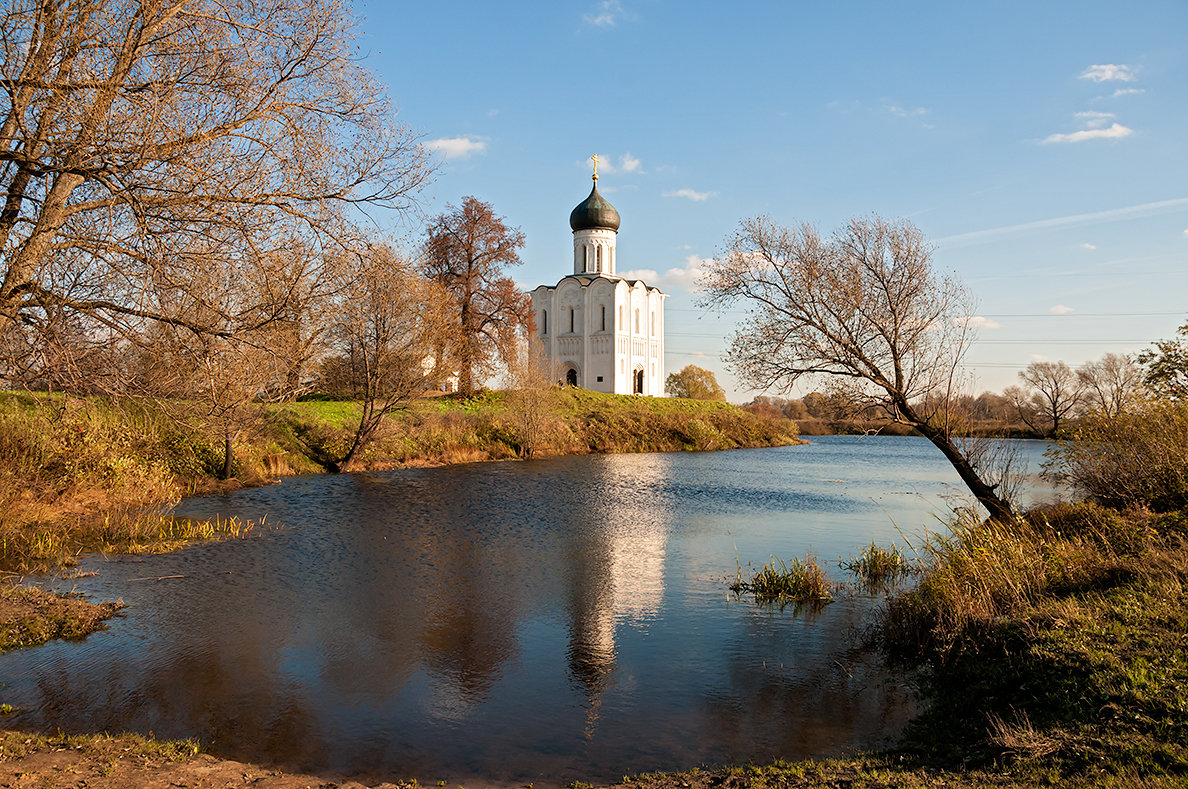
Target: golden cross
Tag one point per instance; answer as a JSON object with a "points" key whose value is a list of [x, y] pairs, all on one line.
{"points": [[595, 158]]}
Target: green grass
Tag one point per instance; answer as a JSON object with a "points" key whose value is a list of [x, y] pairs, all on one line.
{"points": [[876, 567], [780, 582]]}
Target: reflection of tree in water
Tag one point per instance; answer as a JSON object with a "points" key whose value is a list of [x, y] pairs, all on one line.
{"points": [[803, 686]]}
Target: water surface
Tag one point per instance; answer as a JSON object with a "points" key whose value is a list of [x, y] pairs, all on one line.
{"points": [[505, 623]]}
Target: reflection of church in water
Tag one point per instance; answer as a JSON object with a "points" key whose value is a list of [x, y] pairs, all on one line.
{"points": [[603, 332]]}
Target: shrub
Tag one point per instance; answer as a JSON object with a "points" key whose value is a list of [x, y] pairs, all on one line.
{"points": [[1139, 458]]}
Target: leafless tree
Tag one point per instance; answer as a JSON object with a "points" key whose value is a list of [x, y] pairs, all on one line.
{"points": [[863, 308], [150, 148], [467, 250], [1052, 394], [389, 321], [1111, 383], [532, 403]]}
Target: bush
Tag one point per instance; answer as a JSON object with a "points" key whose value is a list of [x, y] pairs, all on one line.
{"points": [[1137, 459]]}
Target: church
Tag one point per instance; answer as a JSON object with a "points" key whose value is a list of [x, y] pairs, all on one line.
{"points": [[603, 332]]}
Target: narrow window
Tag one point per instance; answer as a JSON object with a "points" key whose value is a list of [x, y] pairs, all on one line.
{"points": [[571, 312], [603, 317], [620, 317], [653, 324], [544, 321], [637, 321], [598, 259]]}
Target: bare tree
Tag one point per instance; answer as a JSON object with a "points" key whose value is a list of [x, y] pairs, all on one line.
{"points": [[466, 252], [863, 308], [1111, 383], [531, 400], [151, 147], [390, 320], [1052, 395]]}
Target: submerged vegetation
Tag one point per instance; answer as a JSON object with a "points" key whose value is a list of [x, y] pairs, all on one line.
{"points": [[797, 581]]}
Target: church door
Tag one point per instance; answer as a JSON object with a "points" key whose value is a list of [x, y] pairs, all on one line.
{"points": [[571, 377], [638, 387]]}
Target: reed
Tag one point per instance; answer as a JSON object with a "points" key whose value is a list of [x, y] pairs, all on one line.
{"points": [[796, 581], [876, 567]]}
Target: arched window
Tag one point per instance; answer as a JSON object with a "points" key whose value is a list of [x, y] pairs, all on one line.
{"points": [[598, 258], [544, 321]]}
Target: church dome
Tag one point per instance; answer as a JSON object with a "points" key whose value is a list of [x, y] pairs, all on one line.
{"points": [[594, 212]]}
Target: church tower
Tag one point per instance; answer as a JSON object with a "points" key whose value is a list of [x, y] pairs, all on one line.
{"points": [[603, 332]]}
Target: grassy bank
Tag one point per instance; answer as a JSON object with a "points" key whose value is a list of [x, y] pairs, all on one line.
{"points": [[84, 474]]}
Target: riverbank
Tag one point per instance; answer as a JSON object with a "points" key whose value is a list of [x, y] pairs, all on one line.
{"points": [[85, 475], [1054, 652]]}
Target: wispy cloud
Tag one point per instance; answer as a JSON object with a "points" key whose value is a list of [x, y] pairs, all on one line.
{"points": [[1113, 214], [1060, 309], [457, 147], [607, 14], [977, 322], [1127, 92], [1087, 245], [1096, 131], [685, 277], [904, 112], [1094, 119], [1107, 72], [690, 194], [1186, 234]]}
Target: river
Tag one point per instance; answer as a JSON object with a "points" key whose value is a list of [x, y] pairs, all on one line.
{"points": [[506, 623]]}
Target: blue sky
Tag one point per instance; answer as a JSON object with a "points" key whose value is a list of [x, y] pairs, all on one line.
{"points": [[1042, 147]]}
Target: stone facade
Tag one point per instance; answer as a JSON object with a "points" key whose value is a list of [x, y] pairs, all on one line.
{"points": [[602, 331]]}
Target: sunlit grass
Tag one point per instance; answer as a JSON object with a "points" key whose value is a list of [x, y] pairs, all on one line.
{"points": [[796, 581]]}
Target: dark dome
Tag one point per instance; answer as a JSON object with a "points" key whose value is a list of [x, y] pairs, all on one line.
{"points": [[594, 212]]}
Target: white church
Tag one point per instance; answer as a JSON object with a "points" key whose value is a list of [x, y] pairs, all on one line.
{"points": [[602, 331]]}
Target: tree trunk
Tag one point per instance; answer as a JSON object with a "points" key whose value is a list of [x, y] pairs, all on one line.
{"points": [[999, 508], [228, 456]]}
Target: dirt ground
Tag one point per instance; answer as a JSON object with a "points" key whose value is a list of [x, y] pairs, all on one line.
{"points": [[32, 762]]}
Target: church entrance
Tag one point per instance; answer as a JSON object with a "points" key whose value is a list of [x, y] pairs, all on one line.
{"points": [[637, 382], [571, 377]]}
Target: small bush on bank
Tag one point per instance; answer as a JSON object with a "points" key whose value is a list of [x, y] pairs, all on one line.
{"points": [[1136, 459], [876, 567]]}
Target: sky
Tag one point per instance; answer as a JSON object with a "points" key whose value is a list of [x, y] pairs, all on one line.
{"points": [[1042, 147]]}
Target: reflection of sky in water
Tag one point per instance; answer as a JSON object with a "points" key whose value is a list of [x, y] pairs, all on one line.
{"points": [[509, 622]]}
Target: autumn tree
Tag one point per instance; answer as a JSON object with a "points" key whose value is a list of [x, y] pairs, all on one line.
{"points": [[1050, 395], [149, 148], [695, 383], [466, 252], [388, 322], [1166, 366], [864, 309], [1110, 384]]}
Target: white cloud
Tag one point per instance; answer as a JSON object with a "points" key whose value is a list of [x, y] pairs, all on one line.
{"points": [[1095, 120], [977, 322], [903, 112], [1060, 309], [690, 194], [606, 15], [1115, 132], [457, 147], [1087, 245], [685, 278], [606, 164], [1186, 234], [1109, 71], [1127, 92]]}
